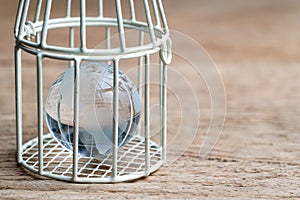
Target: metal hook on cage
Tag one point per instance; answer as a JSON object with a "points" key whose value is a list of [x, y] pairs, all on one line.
{"points": [[166, 51], [29, 30]]}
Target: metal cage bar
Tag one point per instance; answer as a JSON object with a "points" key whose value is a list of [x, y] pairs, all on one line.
{"points": [[100, 8], [23, 17], [40, 111], [18, 17], [45, 23], [115, 119], [156, 12], [83, 26], [76, 117], [71, 29], [147, 114], [163, 17], [149, 21], [18, 96], [132, 10], [38, 11], [140, 72], [163, 104], [68, 8], [120, 25], [107, 38]]}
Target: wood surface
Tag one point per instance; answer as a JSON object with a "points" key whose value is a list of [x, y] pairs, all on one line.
{"points": [[256, 46]]}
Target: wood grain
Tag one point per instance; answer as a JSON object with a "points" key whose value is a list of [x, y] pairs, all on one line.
{"points": [[256, 46]]}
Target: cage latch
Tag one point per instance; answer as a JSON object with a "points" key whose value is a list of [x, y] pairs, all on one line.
{"points": [[29, 30], [166, 52]]}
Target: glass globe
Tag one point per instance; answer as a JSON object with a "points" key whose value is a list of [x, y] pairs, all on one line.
{"points": [[96, 109]]}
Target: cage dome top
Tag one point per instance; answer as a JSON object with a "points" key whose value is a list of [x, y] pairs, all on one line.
{"points": [[94, 27]]}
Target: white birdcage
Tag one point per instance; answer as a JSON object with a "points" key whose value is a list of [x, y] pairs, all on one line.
{"points": [[45, 156]]}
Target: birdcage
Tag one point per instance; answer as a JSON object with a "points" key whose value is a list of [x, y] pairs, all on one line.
{"points": [[138, 155]]}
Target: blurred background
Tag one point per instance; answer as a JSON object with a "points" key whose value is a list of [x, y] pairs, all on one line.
{"points": [[256, 46]]}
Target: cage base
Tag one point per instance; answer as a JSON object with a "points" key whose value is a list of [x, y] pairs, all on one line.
{"points": [[58, 162]]}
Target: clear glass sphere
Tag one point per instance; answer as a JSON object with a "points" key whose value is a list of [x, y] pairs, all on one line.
{"points": [[96, 109]]}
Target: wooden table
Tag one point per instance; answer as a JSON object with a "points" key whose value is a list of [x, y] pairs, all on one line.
{"points": [[256, 46]]}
